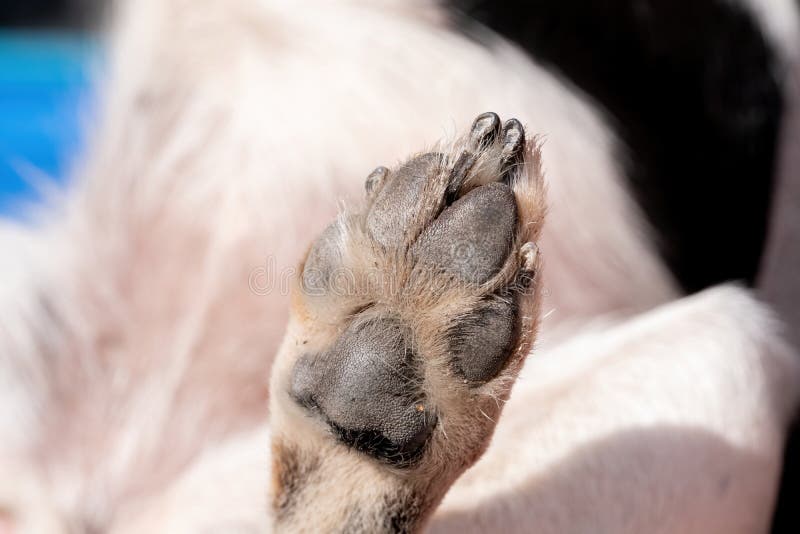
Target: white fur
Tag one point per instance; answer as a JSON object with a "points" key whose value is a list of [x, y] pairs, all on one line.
{"points": [[132, 350], [780, 23], [671, 422]]}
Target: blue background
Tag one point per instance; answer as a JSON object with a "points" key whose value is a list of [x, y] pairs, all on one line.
{"points": [[46, 86]]}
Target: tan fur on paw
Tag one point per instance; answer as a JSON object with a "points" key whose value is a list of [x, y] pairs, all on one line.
{"points": [[412, 318]]}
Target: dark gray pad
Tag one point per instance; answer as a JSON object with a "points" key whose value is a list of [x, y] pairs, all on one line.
{"points": [[472, 238], [366, 386], [397, 203], [323, 262], [481, 341]]}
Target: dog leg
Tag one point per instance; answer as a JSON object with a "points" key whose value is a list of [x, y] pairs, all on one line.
{"points": [[408, 326]]}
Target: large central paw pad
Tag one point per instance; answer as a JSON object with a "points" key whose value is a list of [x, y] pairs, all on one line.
{"points": [[417, 305], [366, 386]]}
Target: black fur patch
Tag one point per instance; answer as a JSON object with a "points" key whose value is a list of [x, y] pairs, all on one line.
{"points": [[692, 86], [81, 14]]}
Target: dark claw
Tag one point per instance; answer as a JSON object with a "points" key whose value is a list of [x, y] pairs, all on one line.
{"points": [[513, 145], [513, 138], [459, 175], [528, 255], [375, 179], [485, 129]]}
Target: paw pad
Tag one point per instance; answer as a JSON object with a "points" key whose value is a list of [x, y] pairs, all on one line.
{"points": [[453, 229]]}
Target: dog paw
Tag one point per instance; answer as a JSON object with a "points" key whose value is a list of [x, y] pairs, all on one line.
{"points": [[409, 323], [413, 314]]}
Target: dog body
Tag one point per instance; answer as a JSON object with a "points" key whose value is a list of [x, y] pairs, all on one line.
{"points": [[140, 319]]}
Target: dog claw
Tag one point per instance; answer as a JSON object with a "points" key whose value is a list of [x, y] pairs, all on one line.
{"points": [[375, 179], [513, 145], [484, 130], [529, 254]]}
